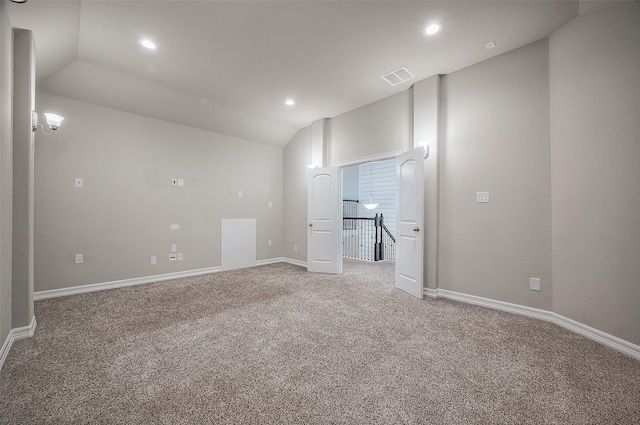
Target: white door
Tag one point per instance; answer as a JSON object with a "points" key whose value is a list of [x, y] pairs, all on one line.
{"points": [[410, 229], [324, 213]]}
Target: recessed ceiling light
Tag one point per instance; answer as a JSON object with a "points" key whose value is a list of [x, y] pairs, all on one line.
{"points": [[145, 42], [432, 29], [290, 102]]}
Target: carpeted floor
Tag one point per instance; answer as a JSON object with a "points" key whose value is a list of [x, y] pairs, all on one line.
{"points": [[274, 344]]}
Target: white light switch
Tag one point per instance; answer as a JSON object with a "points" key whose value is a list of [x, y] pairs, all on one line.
{"points": [[482, 197], [154, 260], [79, 182], [180, 182], [239, 194], [79, 258], [534, 284]]}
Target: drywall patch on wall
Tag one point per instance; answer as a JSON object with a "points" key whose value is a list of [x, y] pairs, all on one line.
{"points": [[237, 243]]}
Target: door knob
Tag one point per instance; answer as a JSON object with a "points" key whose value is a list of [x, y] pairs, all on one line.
{"points": [[416, 229], [310, 224]]}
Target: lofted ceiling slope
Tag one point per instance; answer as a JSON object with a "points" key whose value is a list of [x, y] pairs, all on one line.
{"points": [[228, 66]]}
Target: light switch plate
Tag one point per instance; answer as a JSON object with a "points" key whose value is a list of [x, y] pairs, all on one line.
{"points": [[79, 182], [175, 227], [79, 258], [534, 284], [482, 197]]}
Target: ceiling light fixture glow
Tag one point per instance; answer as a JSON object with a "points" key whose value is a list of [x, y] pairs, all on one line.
{"points": [[432, 29], [145, 42], [289, 102]]}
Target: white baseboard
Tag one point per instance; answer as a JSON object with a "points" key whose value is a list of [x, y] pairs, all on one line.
{"points": [[295, 262], [593, 334], [63, 292], [269, 261], [16, 335]]}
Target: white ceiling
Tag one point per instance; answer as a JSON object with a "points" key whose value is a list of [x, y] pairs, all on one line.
{"points": [[228, 66]]}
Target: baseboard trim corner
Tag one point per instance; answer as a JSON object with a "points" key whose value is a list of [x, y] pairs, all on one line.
{"points": [[16, 334], [269, 261], [613, 342], [294, 262]]}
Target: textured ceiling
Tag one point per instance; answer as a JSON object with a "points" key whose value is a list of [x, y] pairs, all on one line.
{"points": [[228, 66]]}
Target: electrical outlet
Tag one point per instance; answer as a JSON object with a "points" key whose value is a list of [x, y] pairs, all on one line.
{"points": [[79, 258], [79, 182], [174, 247], [534, 284], [154, 260], [295, 248], [270, 204], [269, 242], [240, 194], [180, 256]]}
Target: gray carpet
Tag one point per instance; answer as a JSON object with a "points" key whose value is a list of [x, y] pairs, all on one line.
{"points": [[274, 344]]}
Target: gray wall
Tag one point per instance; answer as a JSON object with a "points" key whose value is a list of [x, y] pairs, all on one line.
{"points": [[6, 171], [595, 170], [380, 127], [495, 138], [297, 157], [123, 214]]}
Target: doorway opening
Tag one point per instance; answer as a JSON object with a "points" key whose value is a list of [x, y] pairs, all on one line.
{"points": [[369, 213]]}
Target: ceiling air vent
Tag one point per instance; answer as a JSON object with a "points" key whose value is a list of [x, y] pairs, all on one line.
{"points": [[398, 76]]}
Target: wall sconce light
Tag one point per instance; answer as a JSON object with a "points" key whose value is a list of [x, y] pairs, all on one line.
{"points": [[53, 121]]}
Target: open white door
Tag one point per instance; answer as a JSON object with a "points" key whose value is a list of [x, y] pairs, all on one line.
{"points": [[410, 219], [323, 237]]}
